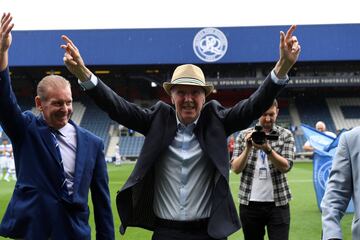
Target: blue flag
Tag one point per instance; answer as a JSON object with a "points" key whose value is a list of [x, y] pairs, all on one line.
{"points": [[325, 147], [332, 146], [318, 140]]}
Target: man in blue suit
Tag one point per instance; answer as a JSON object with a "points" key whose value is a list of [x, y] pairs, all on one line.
{"points": [[343, 184], [56, 161], [179, 187]]}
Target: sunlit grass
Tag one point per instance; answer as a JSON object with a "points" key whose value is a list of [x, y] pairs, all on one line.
{"points": [[305, 215]]}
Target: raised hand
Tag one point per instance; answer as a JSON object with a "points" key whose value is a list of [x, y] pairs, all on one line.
{"points": [[5, 32], [73, 60], [5, 39], [289, 52]]}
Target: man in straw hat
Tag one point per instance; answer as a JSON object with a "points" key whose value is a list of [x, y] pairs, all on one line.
{"points": [[179, 186]]}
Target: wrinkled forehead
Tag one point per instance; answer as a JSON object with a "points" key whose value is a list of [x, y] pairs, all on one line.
{"points": [[58, 94], [187, 88]]}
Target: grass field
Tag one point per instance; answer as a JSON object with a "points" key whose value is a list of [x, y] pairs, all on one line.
{"points": [[305, 216]]}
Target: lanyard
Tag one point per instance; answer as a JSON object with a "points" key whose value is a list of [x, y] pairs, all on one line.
{"points": [[263, 157]]}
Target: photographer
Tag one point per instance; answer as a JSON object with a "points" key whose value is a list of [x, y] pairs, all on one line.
{"points": [[264, 156]]}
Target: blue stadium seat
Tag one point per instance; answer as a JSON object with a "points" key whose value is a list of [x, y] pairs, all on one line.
{"points": [[130, 146]]}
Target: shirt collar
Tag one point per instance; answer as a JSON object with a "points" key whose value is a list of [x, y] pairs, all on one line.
{"points": [[178, 123]]}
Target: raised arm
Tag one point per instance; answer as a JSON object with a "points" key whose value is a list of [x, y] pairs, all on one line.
{"points": [[73, 60], [5, 41], [289, 52], [11, 119]]}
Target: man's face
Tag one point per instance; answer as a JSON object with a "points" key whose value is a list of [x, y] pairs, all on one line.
{"points": [[57, 107], [268, 118], [320, 127], [188, 101]]}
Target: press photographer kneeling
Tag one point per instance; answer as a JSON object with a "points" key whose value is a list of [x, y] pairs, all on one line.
{"points": [[263, 155]]}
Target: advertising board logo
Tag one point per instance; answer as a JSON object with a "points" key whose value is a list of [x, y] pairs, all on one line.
{"points": [[210, 44]]}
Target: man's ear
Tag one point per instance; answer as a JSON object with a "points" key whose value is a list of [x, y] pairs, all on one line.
{"points": [[38, 103]]}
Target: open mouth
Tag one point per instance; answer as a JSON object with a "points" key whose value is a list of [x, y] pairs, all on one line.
{"points": [[188, 106]]}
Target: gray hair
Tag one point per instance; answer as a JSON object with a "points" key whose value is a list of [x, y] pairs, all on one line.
{"points": [[51, 81]]}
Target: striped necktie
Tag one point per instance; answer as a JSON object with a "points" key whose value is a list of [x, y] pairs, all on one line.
{"points": [[55, 134]]}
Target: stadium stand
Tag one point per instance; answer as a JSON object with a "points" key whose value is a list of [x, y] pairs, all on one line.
{"points": [[345, 112], [78, 112], [130, 146], [96, 121], [313, 110], [310, 110]]}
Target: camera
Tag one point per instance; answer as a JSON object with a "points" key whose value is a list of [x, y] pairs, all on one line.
{"points": [[259, 136]]}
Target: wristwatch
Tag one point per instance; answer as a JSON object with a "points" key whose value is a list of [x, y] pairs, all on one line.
{"points": [[268, 151]]}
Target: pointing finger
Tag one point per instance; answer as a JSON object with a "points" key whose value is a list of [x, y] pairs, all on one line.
{"points": [[68, 41], [282, 37], [290, 32]]}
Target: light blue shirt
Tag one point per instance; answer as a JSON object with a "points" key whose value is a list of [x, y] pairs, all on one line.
{"points": [[67, 144], [184, 179]]}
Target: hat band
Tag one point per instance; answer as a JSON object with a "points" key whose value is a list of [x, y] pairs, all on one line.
{"points": [[188, 81]]}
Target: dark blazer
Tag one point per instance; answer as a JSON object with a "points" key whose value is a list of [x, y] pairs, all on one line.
{"points": [[158, 124], [37, 209]]}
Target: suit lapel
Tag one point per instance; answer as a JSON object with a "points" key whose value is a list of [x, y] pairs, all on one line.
{"points": [[48, 140], [170, 131]]}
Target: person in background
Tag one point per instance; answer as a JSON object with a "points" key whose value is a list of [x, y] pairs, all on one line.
{"points": [[343, 184], [57, 163], [118, 157], [179, 187], [321, 127], [231, 144], [7, 150], [264, 191], [5, 154]]}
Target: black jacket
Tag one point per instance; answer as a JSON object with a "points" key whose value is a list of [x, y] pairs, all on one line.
{"points": [[158, 124]]}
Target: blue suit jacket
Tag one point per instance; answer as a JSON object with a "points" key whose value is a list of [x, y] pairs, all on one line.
{"points": [[37, 209], [158, 123], [344, 183]]}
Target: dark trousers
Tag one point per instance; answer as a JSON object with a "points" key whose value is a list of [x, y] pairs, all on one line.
{"points": [[181, 230], [257, 216]]}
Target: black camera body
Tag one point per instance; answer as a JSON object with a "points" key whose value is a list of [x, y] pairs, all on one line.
{"points": [[260, 137]]}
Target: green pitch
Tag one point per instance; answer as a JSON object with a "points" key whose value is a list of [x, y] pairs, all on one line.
{"points": [[305, 216]]}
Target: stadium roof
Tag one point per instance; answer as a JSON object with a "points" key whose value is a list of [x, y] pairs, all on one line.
{"points": [[337, 42]]}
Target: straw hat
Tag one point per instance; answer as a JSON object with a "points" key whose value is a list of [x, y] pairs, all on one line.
{"points": [[188, 74]]}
